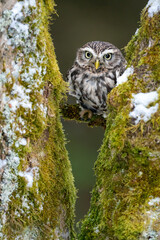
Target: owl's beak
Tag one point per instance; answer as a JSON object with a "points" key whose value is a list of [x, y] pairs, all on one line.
{"points": [[97, 64]]}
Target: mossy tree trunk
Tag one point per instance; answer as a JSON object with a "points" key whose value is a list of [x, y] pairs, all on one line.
{"points": [[37, 190], [125, 202]]}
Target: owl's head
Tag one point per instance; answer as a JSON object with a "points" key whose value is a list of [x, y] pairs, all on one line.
{"points": [[99, 56]]}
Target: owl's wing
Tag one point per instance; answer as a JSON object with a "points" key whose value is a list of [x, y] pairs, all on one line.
{"points": [[67, 75], [71, 77]]}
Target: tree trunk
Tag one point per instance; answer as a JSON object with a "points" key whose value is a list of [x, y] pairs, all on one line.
{"points": [[37, 190], [125, 202]]}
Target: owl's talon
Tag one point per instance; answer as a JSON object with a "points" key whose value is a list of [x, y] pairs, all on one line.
{"points": [[83, 112], [82, 119]]}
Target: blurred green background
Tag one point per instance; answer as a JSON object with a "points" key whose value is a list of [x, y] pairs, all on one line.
{"points": [[78, 22]]}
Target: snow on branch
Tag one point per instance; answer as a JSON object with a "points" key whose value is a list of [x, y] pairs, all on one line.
{"points": [[153, 7], [141, 102]]}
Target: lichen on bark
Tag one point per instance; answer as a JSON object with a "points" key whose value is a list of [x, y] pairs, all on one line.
{"points": [[37, 189], [125, 202]]}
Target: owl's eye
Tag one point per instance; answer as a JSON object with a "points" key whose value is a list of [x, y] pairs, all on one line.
{"points": [[108, 56], [88, 54]]}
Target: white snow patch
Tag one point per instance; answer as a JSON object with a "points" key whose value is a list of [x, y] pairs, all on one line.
{"points": [[145, 98], [2, 163], [154, 7], [96, 229], [19, 34], [2, 78], [9, 183], [129, 71], [21, 141], [154, 201], [16, 70], [150, 234], [141, 102], [17, 8], [21, 98], [151, 42], [41, 207], [140, 174], [32, 70], [18, 30], [43, 109], [136, 32], [25, 202], [152, 216], [4, 218], [30, 2], [29, 175], [17, 213], [21, 120]]}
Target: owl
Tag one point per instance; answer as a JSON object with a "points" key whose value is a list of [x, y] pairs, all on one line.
{"points": [[93, 75]]}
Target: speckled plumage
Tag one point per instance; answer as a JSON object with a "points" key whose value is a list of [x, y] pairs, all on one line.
{"points": [[90, 84]]}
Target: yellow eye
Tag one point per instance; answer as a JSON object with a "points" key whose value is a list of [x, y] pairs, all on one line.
{"points": [[88, 54], [108, 56]]}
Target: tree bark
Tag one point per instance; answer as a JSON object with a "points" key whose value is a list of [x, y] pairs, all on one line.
{"points": [[37, 190], [125, 202], [72, 112]]}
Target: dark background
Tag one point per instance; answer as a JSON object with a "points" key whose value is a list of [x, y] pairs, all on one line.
{"points": [[78, 22]]}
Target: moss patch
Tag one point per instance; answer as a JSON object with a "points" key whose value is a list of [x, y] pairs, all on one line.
{"points": [[38, 193], [127, 168]]}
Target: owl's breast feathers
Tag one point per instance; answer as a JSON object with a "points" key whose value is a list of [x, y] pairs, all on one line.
{"points": [[90, 88], [94, 73]]}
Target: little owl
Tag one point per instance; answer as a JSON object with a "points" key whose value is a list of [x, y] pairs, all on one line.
{"points": [[93, 75]]}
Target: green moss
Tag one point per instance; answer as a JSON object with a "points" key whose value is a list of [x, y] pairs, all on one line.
{"points": [[46, 209], [72, 112], [128, 164]]}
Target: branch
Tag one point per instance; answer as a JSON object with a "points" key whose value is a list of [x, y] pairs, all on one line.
{"points": [[72, 112]]}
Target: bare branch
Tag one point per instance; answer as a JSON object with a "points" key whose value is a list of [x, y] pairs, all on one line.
{"points": [[72, 112]]}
